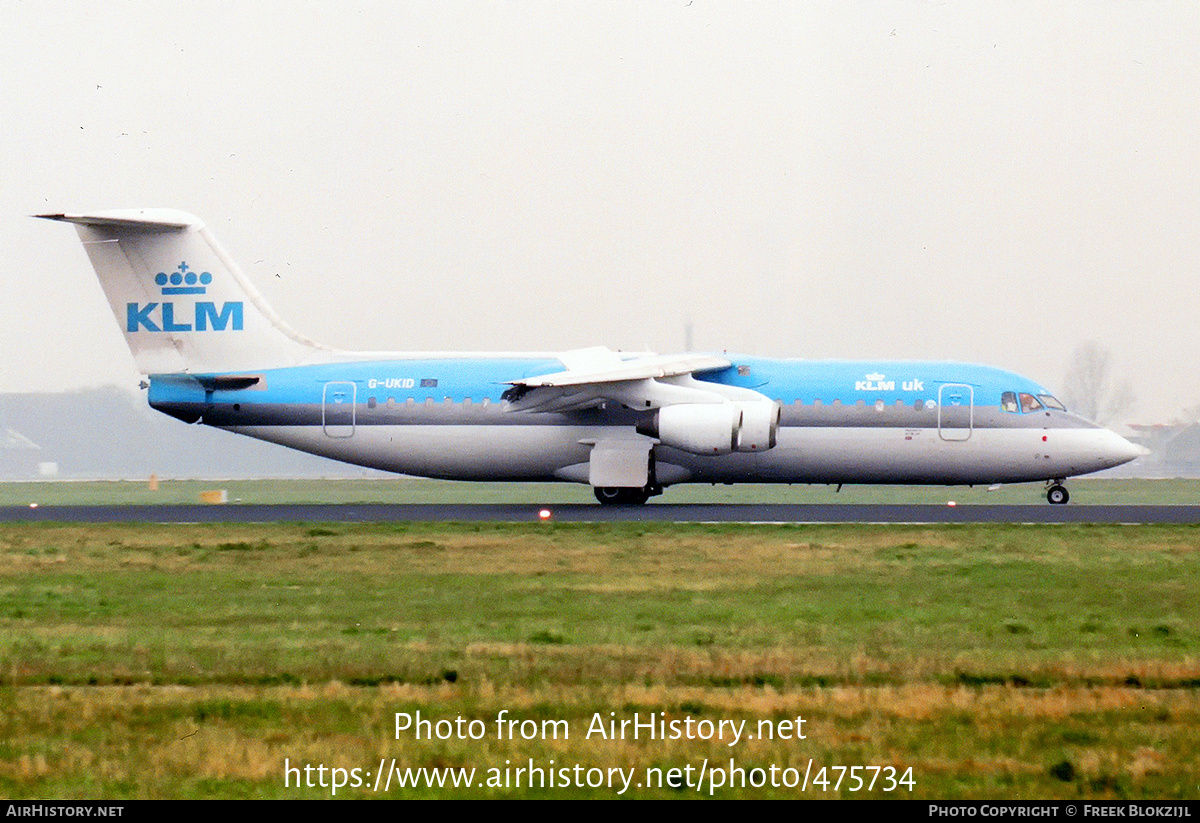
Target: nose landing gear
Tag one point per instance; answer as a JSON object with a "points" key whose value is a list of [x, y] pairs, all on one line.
{"points": [[1057, 493]]}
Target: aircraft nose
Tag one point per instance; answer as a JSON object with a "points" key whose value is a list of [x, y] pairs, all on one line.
{"points": [[1117, 450]]}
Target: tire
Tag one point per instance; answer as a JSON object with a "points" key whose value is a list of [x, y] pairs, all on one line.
{"points": [[1057, 495], [620, 496]]}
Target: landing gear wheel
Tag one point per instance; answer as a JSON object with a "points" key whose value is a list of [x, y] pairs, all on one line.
{"points": [[621, 496], [1057, 494]]}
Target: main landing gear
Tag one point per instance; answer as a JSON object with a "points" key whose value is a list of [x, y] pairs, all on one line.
{"points": [[623, 496], [1057, 493]]}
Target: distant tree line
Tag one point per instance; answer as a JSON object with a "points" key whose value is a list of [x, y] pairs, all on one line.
{"points": [[1091, 388]]}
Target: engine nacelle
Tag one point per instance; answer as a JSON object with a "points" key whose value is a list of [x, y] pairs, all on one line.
{"points": [[698, 428], [760, 426], [715, 428]]}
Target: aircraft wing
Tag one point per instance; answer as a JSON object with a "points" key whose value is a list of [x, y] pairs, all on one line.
{"points": [[596, 376]]}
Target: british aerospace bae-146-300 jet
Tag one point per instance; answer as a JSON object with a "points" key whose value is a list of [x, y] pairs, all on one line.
{"points": [[626, 424]]}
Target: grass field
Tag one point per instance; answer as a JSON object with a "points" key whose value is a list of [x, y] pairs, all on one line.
{"points": [[993, 661], [409, 490]]}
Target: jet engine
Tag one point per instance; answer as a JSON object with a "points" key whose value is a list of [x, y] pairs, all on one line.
{"points": [[715, 428], [699, 428], [760, 426]]}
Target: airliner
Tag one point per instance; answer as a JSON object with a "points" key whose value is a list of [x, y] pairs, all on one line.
{"points": [[627, 424]]}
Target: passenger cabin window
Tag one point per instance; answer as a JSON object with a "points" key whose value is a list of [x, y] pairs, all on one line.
{"points": [[1008, 401], [1029, 403]]}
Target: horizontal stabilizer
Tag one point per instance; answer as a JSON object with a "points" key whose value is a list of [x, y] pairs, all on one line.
{"points": [[129, 219]]}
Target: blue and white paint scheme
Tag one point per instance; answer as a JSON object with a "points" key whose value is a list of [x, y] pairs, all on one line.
{"points": [[626, 424]]}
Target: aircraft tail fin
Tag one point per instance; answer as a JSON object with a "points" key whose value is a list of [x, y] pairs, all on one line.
{"points": [[182, 303]]}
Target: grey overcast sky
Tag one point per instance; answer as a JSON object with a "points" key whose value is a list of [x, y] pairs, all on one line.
{"points": [[992, 182]]}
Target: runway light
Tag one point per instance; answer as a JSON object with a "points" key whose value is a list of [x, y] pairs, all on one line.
{"points": [[951, 503], [544, 514], [33, 505]]}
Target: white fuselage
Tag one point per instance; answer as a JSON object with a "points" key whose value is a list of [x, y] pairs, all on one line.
{"points": [[802, 455]]}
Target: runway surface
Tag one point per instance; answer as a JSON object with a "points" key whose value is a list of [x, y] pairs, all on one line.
{"points": [[654, 513]]}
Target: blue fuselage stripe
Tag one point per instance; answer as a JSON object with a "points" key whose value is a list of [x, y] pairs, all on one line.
{"points": [[456, 380]]}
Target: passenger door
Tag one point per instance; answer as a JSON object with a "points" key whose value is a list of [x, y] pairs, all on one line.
{"points": [[337, 409], [956, 411]]}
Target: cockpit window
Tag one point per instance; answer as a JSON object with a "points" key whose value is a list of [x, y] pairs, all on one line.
{"points": [[1029, 403], [1051, 402], [1008, 401]]}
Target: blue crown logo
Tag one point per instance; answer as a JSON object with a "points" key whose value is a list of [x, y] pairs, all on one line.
{"points": [[183, 281]]}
